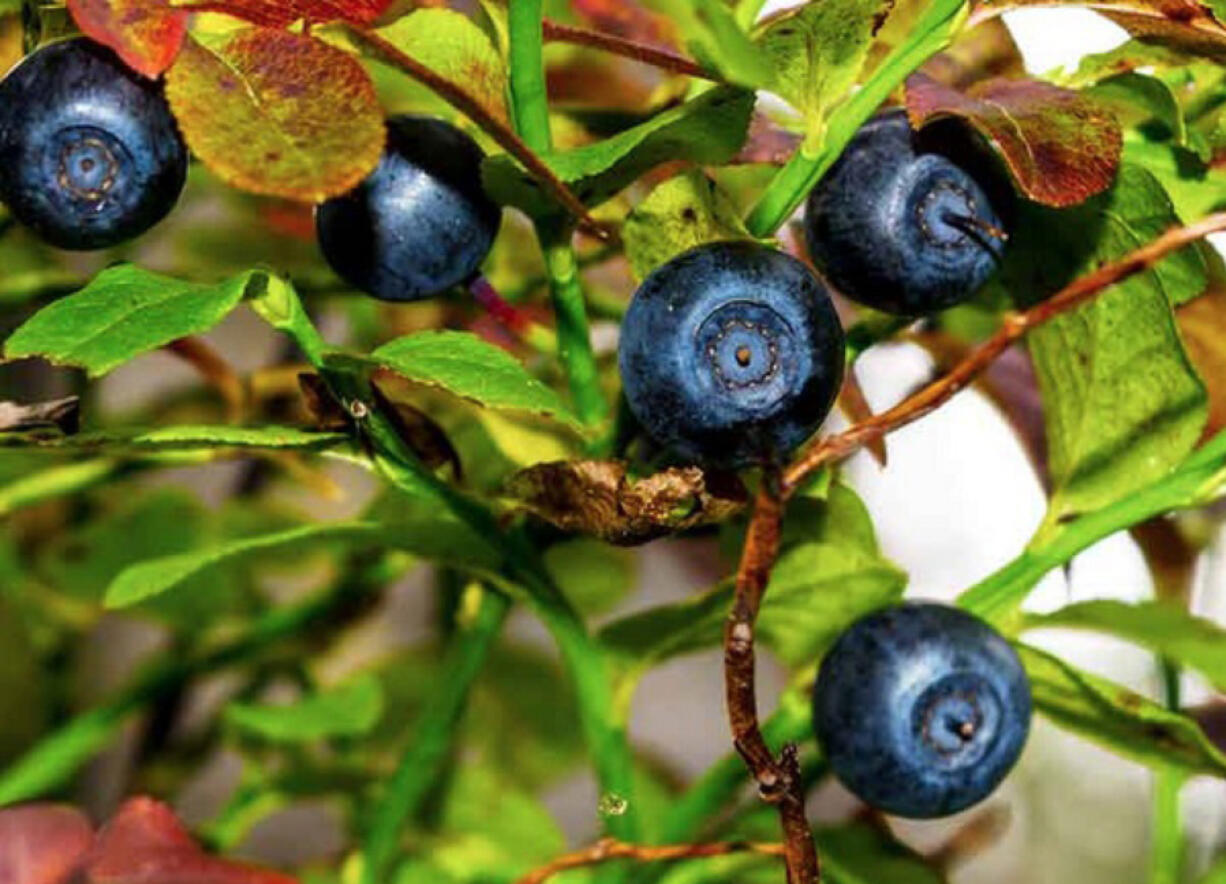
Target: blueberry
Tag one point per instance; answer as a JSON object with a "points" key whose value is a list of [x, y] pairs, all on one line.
{"points": [[731, 354], [899, 227], [420, 223], [921, 709], [89, 152]]}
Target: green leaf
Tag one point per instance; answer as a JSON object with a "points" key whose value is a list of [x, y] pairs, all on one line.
{"points": [[463, 364], [1142, 97], [683, 212], [452, 46], [1122, 400], [822, 584], [818, 51], [1195, 188], [594, 576], [151, 578], [707, 130], [186, 438], [711, 33], [1163, 627], [1116, 718], [860, 853], [124, 312], [350, 710]]}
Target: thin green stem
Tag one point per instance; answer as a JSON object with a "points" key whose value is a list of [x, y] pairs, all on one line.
{"points": [[433, 734], [1166, 846], [529, 98], [1195, 483], [58, 756], [585, 661], [530, 108], [574, 334], [931, 33]]}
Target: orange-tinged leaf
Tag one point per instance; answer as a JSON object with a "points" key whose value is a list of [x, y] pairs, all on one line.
{"points": [[42, 843], [278, 113], [279, 13], [1061, 147], [146, 34], [146, 844]]}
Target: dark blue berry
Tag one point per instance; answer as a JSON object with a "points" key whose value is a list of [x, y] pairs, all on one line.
{"points": [[731, 354], [921, 709], [901, 228], [420, 223], [89, 152]]}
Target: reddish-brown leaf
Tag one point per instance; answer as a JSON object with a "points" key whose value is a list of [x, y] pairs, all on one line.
{"points": [[278, 113], [628, 19], [1061, 147], [147, 34], [279, 13], [146, 844], [42, 843], [1203, 324]]}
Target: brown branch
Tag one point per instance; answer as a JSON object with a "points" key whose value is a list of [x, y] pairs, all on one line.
{"points": [[609, 849], [1015, 326], [779, 780], [488, 121], [214, 369], [659, 58]]}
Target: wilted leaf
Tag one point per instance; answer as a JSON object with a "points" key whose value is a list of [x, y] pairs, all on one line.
{"points": [[817, 51], [1116, 718], [419, 431], [1122, 401], [278, 113], [42, 843], [124, 312], [709, 129], [1181, 24], [1163, 627], [681, 213], [146, 843], [1060, 146], [597, 498], [349, 710], [146, 34], [62, 415], [463, 364], [452, 46]]}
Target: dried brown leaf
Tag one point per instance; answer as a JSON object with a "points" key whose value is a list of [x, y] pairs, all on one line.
{"points": [[597, 498]]}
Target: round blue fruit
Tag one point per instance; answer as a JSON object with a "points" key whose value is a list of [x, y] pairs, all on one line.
{"points": [[731, 354], [899, 228], [921, 709], [90, 155], [420, 223]]}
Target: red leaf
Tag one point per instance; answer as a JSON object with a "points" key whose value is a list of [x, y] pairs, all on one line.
{"points": [[146, 844], [42, 843], [147, 34], [279, 13], [1061, 147]]}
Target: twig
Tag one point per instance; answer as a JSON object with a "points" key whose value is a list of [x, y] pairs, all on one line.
{"points": [[489, 123], [779, 780], [611, 849], [1015, 326], [215, 370], [556, 32]]}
